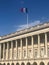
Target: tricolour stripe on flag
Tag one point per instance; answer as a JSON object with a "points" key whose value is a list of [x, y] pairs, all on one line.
{"points": [[24, 10]]}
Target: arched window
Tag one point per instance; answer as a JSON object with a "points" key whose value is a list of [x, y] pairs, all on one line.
{"points": [[34, 63], [48, 63], [22, 64], [17, 63], [4, 64], [8, 63], [12, 64], [0, 64], [42, 63], [28, 63]]}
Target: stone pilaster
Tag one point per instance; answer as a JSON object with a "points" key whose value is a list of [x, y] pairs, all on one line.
{"points": [[7, 50], [26, 48], [16, 50], [0, 51], [38, 46], [21, 49], [4, 52], [45, 44], [12, 49], [32, 48]]}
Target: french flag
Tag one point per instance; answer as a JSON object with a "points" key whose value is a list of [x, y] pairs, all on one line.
{"points": [[24, 10]]}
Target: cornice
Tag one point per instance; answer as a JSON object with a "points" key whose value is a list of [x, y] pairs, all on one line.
{"points": [[27, 30]]}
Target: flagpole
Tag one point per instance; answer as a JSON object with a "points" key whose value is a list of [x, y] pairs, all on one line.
{"points": [[25, 11], [27, 20]]}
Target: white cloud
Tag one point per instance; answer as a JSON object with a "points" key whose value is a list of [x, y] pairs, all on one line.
{"points": [[36, 22], [44, 19], [20, 27]]}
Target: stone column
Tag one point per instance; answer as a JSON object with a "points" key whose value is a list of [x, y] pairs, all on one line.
{"points": [[32, 48], [21, 49], [26, 48], [46, 44], [38, 46], [16, 50], [7, 50], [12, 49], [4, 52], [0, 51]]}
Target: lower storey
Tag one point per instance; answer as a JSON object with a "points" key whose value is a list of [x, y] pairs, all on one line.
{"points": [[25, 62]]}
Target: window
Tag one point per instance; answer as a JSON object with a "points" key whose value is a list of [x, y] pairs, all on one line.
{"points": [[42, 38], [29, 40], [35, 53], [19, 53], [29, 53], [10, 53], [42, 52], [18, 42], [24, 42], [9, 44], [35, 39], [48, 52], [24, 55], [14, 44], [14, 54]]}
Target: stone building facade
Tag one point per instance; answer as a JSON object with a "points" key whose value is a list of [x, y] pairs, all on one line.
{"points": [[26, 47]]}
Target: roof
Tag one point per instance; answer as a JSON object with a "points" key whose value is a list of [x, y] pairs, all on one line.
{"points": [[27, 30]]}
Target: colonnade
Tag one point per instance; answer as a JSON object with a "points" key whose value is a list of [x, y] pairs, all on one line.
{"points": [[4, 47]]}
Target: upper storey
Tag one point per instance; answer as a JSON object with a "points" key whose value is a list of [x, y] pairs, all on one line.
{"points": [[26, 31]]}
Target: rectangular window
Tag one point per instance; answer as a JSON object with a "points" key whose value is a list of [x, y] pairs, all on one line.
{"points": [[29, 40], [5, 45], [42, 38], [42, 52], [35, 39], [29, 53], [14, 44], [35, 53], [10, 53], [19, 53], [24, 42], [14, 54], [18, 43], [24, 53], [48, 52], [9, 44]]}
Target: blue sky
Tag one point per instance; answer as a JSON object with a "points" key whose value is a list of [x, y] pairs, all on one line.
{"points": [[12, 19]]}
